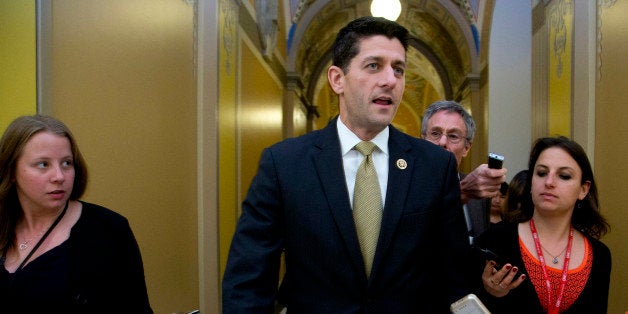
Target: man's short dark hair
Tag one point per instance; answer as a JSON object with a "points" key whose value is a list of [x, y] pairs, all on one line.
{"points": [[346, 46]]}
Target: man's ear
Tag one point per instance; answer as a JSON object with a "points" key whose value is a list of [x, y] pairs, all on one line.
{"points": [[467, 147], [336, 79]]}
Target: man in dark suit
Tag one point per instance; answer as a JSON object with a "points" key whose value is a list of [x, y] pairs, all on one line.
{"points": [[301, 202], [447, 124]]}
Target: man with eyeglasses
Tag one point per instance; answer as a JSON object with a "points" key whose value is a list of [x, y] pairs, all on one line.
{"points": [[447, 124]]}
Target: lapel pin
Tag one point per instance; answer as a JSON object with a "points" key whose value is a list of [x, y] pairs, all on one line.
{"points": [[402, 164]]}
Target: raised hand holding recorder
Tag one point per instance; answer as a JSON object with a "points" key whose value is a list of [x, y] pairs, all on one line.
{"points": [[485, 180]]}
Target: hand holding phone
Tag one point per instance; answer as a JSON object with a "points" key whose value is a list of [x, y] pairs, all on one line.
{"points": [[492, 256], [495, 161]]}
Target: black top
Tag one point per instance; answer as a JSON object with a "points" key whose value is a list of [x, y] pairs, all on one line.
{"points": [[97, 270]]}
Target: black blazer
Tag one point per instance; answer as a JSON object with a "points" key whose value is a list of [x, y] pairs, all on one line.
{"points": [[298, 203]]}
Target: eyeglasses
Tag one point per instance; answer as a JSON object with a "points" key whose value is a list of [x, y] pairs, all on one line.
{"points": [[453, 138]]}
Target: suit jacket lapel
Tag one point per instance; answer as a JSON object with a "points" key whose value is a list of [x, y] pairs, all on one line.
{"points": [[398, 187], [331, 173]]}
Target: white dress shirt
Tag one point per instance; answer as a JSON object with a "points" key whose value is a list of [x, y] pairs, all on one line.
{"points": [[351, 158]]}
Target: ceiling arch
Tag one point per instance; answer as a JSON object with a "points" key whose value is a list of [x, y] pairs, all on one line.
{"points": [[440, 25], [443, 53]]}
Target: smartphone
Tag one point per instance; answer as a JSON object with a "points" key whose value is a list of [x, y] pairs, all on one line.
{"points": [[469, 304], [495, 161], [492, 256]]}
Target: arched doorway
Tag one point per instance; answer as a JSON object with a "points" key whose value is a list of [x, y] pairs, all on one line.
{"points": [[444, 60]]}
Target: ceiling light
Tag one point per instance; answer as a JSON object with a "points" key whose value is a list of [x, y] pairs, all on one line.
{"points": [[388, 9]]}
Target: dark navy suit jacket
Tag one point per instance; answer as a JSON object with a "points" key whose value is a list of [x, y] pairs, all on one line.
{"points": [[298, 204], [479, 211]]}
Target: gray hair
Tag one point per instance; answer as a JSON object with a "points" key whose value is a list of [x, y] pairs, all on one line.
{"points": [[450, 106]]}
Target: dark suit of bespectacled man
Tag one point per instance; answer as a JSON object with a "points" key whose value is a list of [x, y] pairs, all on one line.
{"points": [[300, 203]]}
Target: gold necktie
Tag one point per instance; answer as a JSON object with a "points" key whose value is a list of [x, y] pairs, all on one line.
{"points": [[367, 204]]}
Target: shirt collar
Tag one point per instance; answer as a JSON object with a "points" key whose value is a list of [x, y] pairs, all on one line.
{"points": [[348, 139]]}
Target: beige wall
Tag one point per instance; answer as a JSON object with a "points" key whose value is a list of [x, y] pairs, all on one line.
{"points": [[122, 78], [259, 114], [611, 134], [17, 60]]}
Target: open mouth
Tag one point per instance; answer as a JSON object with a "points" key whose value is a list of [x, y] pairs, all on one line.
{"points": [[382, 101]]}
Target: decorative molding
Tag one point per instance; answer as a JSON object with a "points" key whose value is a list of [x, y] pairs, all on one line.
{"points": [[557, 24], [297, 7], [606, 3], [228, 32], [600, 4], [471, 82], [194, 5], [294, 81], [466, 8], [267, 24], [538, 17]]}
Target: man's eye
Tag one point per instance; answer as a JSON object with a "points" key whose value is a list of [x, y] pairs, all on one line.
{"points": [[453, 137], [436, 134], [372, 66], [399, 71]]}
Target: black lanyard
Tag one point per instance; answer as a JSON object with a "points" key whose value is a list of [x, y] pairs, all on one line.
{"points": [[43, 237]]}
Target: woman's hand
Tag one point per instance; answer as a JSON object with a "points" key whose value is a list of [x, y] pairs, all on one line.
{"points": [[499, 282]]}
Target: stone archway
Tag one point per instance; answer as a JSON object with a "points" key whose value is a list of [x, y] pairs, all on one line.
{"points": [[444, 58]]}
